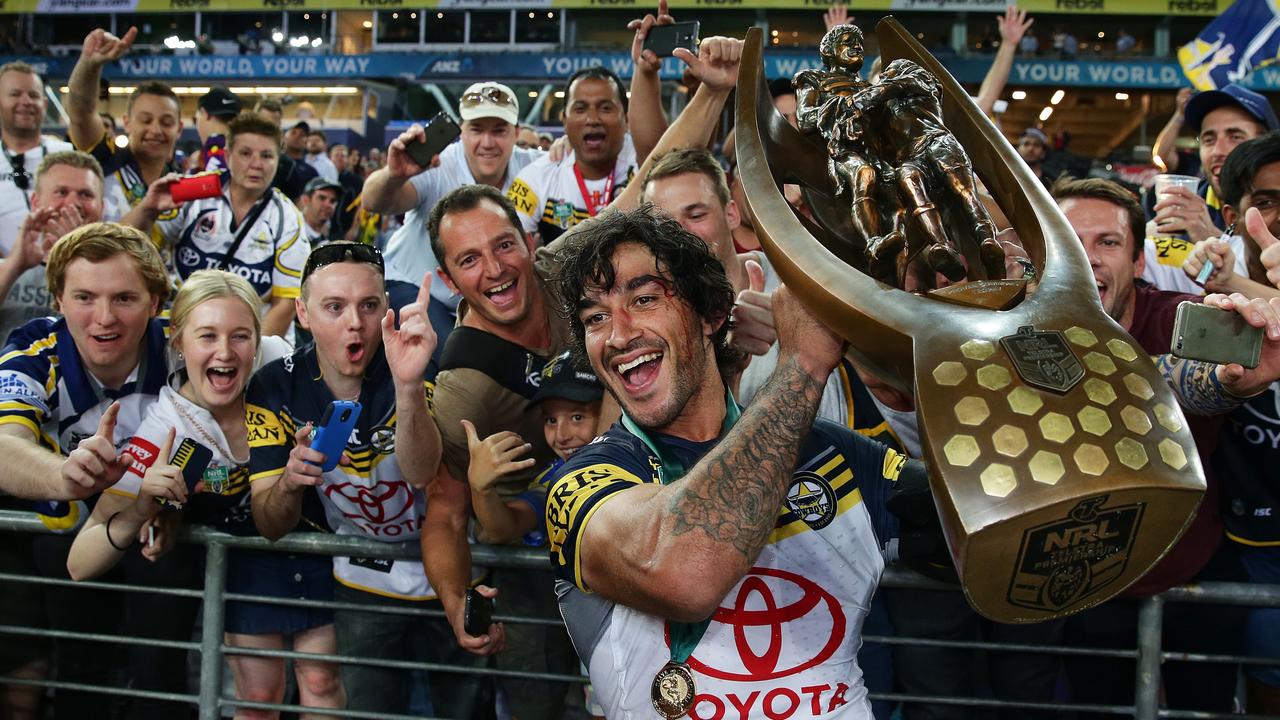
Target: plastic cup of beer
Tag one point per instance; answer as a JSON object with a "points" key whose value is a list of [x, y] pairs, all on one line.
{"points": [[1166, 182]]}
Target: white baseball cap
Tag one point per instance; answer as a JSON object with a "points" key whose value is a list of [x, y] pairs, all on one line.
{"points": [[489, 99]]}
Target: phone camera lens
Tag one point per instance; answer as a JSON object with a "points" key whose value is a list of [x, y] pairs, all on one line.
{"points": [[345, 415]]}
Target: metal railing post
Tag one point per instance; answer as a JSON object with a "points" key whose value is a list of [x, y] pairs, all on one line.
{"points": [[1146, 701], [215, 581]]}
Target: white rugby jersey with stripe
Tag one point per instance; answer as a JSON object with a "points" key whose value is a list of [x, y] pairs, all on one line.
{"points": [[784, 641]]}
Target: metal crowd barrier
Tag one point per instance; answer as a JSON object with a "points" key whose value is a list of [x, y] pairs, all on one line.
{"points": [[212, 649]]}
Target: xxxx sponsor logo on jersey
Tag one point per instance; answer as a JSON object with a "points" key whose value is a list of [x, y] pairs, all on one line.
{"points": [[264, 426], [383, 510], [571, 501], [769, 633], [522, 197]]}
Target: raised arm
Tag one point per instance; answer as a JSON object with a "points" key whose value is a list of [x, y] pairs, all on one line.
{"points": [[642, 545], [34, 473], [100, 47], [1013, 25], [716, 66], [645, 117], [1165, 142], [388, 190], [408, 350]]}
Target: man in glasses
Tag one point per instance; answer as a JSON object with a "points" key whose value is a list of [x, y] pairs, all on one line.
{"points": [[486, 155], [377, 491], [152, 120], [22, 106]]}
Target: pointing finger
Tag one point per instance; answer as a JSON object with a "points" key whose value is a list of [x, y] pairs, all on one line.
{"points": [[424, 290], [166, 449], [107, 423]]}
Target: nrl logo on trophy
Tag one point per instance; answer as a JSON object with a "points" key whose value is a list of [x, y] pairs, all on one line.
{"points": [[1060, 462]]}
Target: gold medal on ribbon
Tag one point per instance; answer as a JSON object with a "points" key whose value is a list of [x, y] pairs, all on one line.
{"points": [[673, 690]]}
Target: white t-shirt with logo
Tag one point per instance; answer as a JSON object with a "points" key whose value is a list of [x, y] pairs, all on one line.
{"points": [[15, 204], [409, 255]]}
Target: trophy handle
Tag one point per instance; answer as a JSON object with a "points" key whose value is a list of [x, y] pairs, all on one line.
{"points": [[1059, 459]]}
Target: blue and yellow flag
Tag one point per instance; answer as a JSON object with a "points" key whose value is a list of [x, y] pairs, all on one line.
{"points": [[1245, 36]]}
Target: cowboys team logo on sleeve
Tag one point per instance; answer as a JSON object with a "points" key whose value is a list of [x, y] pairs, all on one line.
{"points": [[811, 499]]}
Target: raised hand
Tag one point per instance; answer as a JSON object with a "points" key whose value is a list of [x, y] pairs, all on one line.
{"points": [[101, 47], [64, 221], [802, 335], [1260, 313], [399, 163], [95, 464], [647, 60], [836, 15], [158, 199], [1181, 100], [753, 330], [409, 349], [162, 481], [1268, 245], [494, 457], [32, 244], [1013, 25], [716, 64]]}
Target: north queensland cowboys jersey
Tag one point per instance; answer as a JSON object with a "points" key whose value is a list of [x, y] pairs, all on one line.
{"points": [[549, 199], [369, 498], [785, 640], [270, 257], [44, 388]]}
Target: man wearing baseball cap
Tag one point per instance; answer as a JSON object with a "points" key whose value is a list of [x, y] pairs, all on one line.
{"points": [[1221, 119], [1033, 147], [215, 109], [486, 155], [318, 202]]}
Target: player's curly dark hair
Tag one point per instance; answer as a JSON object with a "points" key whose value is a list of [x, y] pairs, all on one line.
{"points": [[696, 276]]}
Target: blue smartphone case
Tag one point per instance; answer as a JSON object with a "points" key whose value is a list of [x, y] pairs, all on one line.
{"points": [[331, 436]]}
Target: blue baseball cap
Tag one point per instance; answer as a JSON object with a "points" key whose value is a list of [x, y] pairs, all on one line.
{"points": [[1251, 102]]}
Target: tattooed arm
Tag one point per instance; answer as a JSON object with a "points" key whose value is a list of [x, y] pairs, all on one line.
{"points": [[676, 550], [1197, 385]]}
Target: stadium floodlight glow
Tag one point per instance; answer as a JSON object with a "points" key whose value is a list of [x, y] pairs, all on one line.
{"points": [[1057, 97], [122, 141], [277, 36], [315, 42], [341, 90], [1046, 112], [559, 93], [533, 93], [367, 24], [1019, 94], [120, 89], [173, 42], [1122, 96]]}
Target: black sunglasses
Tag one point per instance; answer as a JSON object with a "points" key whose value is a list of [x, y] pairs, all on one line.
{"points": [[20, 176], [337, 252]]}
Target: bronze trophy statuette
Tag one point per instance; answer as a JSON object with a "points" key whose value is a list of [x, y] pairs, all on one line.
{"points": [[1060, 461]]}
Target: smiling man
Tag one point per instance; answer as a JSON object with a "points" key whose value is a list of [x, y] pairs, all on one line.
{"points": [[22, 107], [690, 507], [486, 154], [152, 122], [489, 373]]}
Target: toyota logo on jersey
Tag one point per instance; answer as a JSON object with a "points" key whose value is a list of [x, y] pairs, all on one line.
{"points": [[386, 509], [781, 624]]}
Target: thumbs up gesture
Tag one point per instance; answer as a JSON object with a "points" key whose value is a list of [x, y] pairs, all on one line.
{"points": [[1268, 245], [94, 464], [753, 329], [494, 457], [162, 481]]}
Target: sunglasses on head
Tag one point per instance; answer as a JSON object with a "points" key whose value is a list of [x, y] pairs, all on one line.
{"points": [[337, 252], [494, 95]]}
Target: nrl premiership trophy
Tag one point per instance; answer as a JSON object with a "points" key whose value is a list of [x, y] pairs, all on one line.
{"points": [[1060, 461]]}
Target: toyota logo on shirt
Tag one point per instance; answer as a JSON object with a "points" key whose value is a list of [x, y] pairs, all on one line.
{"points": [[781, 624], [383, 509]]}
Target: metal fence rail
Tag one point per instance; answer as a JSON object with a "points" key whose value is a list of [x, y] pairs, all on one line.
{"points": [[213, 650]]}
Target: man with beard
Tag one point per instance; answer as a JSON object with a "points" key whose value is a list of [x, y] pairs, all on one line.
{"points": [[745, 501], [152, 121], [552, 197], [486, 154], [22, 107]]}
